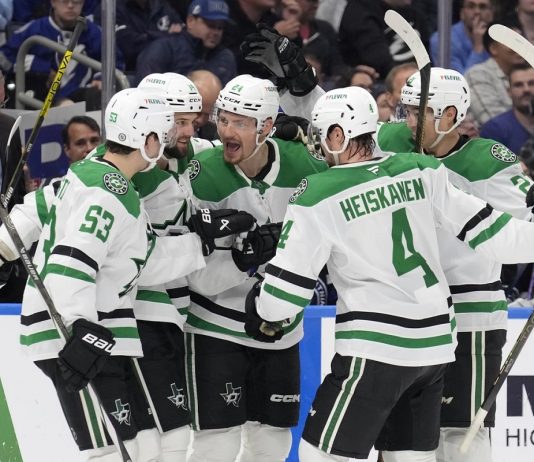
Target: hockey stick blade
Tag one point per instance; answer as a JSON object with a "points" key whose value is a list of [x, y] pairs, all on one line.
{"points": [[514, 41], [412, 39], [14, 129], [497, 384]]}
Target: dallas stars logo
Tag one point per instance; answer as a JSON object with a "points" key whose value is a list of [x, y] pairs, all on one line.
{"points": [[300, 189], [122, 414], [178, 397], [501, 152], [232, 395], [116, 183]]}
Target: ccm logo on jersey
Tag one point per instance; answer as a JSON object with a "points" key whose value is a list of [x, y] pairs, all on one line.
{"points": [[285, 398], [98, 342]]}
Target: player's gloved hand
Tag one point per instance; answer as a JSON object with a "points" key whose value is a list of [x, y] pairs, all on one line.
{"points": [[85, 354], [292, 128], [213, 224], [281, 57], [256, 327], [529, 199], [257, 246]]}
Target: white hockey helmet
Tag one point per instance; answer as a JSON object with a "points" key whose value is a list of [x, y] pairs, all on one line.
{"points": [[252, 97], [180, 92], [351, 108], [447, 88], [132, 114]]}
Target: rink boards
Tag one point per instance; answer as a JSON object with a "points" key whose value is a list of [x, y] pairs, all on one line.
{"points": [[39, 433]]}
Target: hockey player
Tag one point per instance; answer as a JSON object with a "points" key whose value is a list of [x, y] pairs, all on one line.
{"points": [[488, 170], [395, 329], [186, 101], [236, 384], [93, 250]]}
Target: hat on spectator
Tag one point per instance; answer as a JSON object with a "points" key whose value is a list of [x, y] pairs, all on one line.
{"points": [[212, 10]]}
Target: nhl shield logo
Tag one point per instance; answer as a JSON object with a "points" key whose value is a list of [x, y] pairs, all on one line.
{"points": [[116, 183], [501, 152], [194, 169], [300, 189]]}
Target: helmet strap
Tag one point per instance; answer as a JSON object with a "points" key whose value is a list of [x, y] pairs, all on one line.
{"points": [[259, 144]]}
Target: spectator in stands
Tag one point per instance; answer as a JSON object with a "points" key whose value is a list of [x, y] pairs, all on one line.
{"points": [[524, 13], [361, 77], [526, 156], [514, 127], [366, 39], [209, 86], [331, 11], [244, 16], [380, 95], [80, 136], [395, 80], [58, 27], [26, 10], [320, 40], [467, 47], [139, 22], [6, 13], [489, 82], [196, 47]]}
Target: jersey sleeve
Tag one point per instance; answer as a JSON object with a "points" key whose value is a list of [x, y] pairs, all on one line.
{"points": [[497, 235], [28, 219], [172, 257], [290, 277]]}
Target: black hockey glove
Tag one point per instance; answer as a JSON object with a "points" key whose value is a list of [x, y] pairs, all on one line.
{"points": [[212, 224], [257, 247], [85, 353], [5, 271], [529, 199], [281, 57], [256, 327], [292, 128]]}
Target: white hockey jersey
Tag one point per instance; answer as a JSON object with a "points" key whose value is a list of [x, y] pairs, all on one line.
{"points": [[490, 171], [374, 225], [93, 250]]}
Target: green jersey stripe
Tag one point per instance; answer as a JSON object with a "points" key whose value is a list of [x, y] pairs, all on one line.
{"points": [[286, 296], [42, 209], [402, 342], [171, 221], [489, 232], [62, 270], [9, 446], [125, 332], [480, 307], [38, 337], [153, 296]]}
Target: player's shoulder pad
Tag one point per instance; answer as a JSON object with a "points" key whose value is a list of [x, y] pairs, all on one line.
{"points": [[480, 159], [212, 179], [148, 182], [108, 180]]}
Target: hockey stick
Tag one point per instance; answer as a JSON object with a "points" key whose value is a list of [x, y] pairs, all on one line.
{"points": [[56, 317], [80, 26], [12, 132], [497, 385], [525, 49], [410, 36]]}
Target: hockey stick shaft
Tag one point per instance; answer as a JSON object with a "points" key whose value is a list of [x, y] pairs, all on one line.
{"points": [[12, 132], [497, 384], [410, 36], [56, 317], [78, 29]]}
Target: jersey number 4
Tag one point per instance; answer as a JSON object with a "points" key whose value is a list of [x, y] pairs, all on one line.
{"points": [[405, 257]]}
